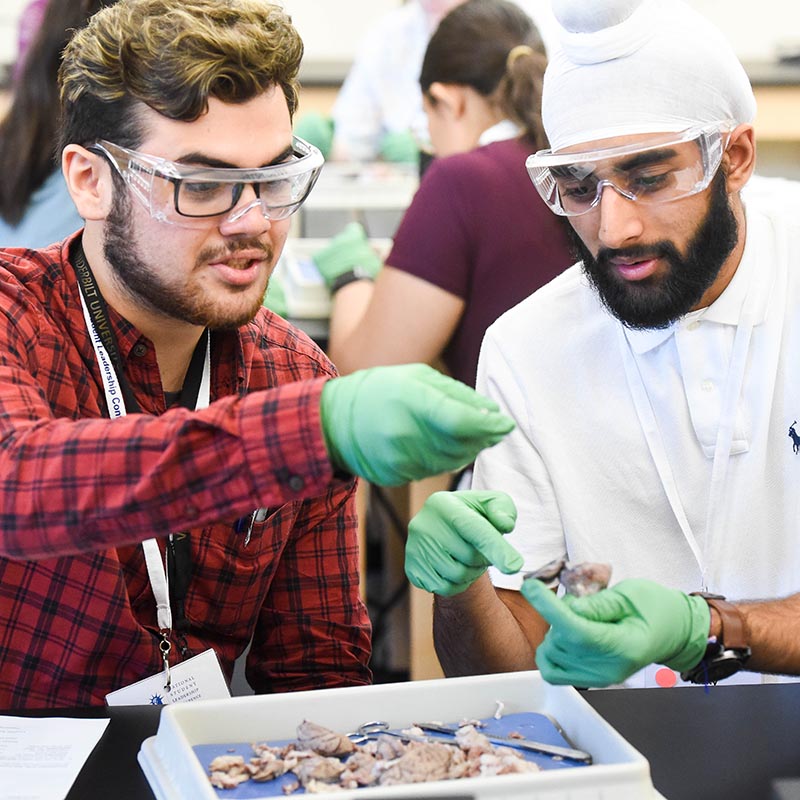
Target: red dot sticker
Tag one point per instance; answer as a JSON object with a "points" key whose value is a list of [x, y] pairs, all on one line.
{"points": [[666, 678]]}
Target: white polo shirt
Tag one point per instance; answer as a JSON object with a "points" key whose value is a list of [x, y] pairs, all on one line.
{"points": [[617, 430]]}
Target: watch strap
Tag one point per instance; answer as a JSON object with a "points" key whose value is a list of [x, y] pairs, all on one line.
{"points": [[725, 654], [732, 631], [352, 275]]}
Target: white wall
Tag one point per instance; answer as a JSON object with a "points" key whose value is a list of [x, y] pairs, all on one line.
{"points": [[758, 29], [9, 14], [332, 30]]}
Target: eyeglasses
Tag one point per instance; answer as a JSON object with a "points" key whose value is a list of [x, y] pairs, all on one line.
{"points": [[664, 169], [180, 194]]}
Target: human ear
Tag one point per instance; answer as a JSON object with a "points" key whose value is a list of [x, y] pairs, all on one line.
{"points": [[89, 182], [447, 97], [739, 159]]}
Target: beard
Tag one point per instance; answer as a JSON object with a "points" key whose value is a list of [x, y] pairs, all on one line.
{"points": [[657, 301], [145, 284]]}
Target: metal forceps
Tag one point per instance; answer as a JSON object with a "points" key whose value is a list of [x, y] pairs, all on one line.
{"points": [[520, 744], [371, 730]]}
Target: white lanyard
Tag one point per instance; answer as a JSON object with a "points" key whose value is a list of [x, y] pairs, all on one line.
{"points": [[156, 570], [733, 387]]}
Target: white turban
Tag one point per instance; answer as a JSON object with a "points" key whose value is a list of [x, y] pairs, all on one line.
{"points": [[639, 66]]}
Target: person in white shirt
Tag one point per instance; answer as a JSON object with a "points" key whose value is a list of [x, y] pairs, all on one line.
{"points": [[380, 104], [378, 112], [653, 383]]}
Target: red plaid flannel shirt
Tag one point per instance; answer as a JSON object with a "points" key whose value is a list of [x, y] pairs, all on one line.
{"points": [[79, 491]]}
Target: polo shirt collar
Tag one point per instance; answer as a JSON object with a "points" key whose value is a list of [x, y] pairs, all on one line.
{"points": [[727, 308], [499, 132]]}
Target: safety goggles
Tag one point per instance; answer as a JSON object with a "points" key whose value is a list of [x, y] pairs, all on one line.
{"points": [[667, 168], [180, 194]]}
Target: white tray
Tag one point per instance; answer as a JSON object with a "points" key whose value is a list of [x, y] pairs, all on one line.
{"points": [[618, 770]]}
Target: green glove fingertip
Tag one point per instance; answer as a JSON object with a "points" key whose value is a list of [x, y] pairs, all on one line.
{"points": [[505, 424], [554, 610], [467, 420], [498, 552], [499, 423], [353, 233], [536, 593], [502, 512], [505, 522], [513, 563], [493, 504]]}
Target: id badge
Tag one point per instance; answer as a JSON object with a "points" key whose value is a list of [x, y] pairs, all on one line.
{"points": [[197, 678]]}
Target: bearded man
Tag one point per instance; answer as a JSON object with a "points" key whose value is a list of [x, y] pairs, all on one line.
{"points": [[653, 383]]}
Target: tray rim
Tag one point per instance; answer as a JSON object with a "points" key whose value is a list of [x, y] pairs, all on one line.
{"points": [[632, 768]]}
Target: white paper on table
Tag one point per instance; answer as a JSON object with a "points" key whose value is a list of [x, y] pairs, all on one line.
{"points": [[41, 757]]}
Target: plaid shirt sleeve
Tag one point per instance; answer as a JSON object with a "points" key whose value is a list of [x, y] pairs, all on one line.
{"points": [[79, 491], [70, 485]]}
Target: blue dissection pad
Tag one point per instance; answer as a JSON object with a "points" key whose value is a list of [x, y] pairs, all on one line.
{"points": [[539, 727]]}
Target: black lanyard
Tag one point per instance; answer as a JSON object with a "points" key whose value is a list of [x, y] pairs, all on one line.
{"points": [[98, 311], [179, 555]]}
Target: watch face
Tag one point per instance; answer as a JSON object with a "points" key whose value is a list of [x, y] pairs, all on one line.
{"points": [[723, 668], [718, 667]]}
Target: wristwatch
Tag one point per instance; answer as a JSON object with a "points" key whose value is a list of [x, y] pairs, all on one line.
{"points": [[725, 654], [351, 276]]}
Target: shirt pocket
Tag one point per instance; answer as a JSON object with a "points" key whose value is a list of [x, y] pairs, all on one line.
{"points": [[232, 573]]}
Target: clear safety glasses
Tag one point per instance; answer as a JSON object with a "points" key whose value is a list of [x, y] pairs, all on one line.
{"points": [[180, 194], [667, 168]]}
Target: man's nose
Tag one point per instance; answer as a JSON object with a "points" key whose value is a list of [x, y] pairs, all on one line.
{"points": [[620, 219], [247, 216]]}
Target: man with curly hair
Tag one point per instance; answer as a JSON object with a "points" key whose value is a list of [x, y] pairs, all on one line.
{"points": [[178, 462]]}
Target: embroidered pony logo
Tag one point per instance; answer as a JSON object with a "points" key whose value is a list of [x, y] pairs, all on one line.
{"points": [[795, 438]]}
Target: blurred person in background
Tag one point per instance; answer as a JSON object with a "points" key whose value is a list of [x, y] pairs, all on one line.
{"points": [[28, 25], [378, 112], [35, 206], [477, 238]]}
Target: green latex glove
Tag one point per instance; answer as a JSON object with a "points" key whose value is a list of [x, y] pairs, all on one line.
{"points": [[604, 638], [275, 297], [455, 536], [399, 147], [347, 250], [317, 129], [392, 425]]}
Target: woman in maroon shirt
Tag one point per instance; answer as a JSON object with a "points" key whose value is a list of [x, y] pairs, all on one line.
{"points": [[477, 238]]}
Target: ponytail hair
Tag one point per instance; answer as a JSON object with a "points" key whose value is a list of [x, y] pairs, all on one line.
{"points": [[520, 91], [493, 47]]}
